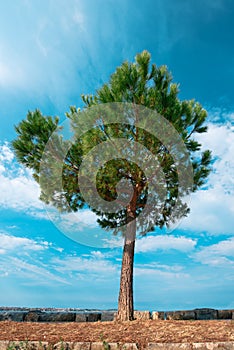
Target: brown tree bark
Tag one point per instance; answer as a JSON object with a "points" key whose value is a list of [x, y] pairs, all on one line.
{"points": [[125, 302]]}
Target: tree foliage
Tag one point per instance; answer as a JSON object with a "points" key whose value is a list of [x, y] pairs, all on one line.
{"points": [[138, 83]]}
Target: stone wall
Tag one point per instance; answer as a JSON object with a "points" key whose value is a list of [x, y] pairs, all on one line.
{"points": [[35, 345], [196, 314], [71, 315]]}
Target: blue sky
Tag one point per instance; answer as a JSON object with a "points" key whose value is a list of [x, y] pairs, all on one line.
{"points": [[50, 53]]}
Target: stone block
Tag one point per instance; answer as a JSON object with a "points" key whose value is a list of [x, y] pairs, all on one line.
{"points": [[112, 346], [205, 314], [81, 318], [62, 346], [93, 317], [26, 345], [32, 316], [4, 316], [224, 314], [97, 346], [191, 346], [118, 346], [81, 346], [173, 315], [57, 317], [169, 346], [39, 345], [180, 315], [107, 316], [142, 315], [188, 315], [12, 316], [213, 346], [4, 344], [42, 345], [157, 315], [130, 346], [18, 316]]}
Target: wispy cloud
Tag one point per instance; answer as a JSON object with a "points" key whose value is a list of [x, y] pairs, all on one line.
{"points": [[79, 18], [29, 271], [28, 260], [144, 271], [78, 220], [164, 242], [11, 243], [219, 255], [93, 265]]}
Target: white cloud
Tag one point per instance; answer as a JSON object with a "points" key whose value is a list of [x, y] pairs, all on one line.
{"points": [[97, 254], [6, 153], [113, 242], [80, 219], [144, 272], [212, 209], [219, 138], [164, 242], [92, 265], [12, 243], [18, 189], [19, 193], [60, 250], [157, 271], [151, 243], [163, 267], [220, 254]]}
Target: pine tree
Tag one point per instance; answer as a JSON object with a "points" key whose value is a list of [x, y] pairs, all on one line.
{"points": [[134, 89]]}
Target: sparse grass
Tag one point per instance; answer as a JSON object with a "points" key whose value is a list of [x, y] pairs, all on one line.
{"points": [[27, 345], [106, 345]]}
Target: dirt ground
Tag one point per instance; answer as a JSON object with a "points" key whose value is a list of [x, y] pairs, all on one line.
{"points": [[141, 332]]}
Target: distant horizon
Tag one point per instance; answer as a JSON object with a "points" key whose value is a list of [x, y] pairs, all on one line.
{"points": [[15, 308]]}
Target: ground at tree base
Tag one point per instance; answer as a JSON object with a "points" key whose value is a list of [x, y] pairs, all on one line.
{"points": [[140, 332]]}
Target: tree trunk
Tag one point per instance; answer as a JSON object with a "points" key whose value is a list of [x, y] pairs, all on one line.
{"points": [[125, 304]]}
